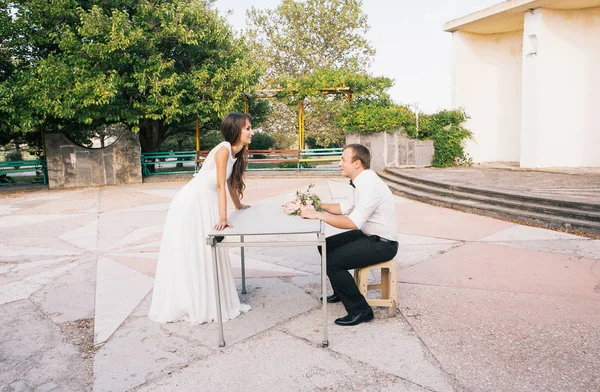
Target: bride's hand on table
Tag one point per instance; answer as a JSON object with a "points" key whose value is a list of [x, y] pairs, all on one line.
{"points": [[221, 225]]}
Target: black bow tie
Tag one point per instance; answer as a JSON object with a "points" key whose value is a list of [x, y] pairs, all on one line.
{"points": [[352, 184]]}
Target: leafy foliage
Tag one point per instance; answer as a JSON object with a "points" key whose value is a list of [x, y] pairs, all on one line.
{"points": [[179, 142], [261, 141], [302, 201], [337, 52], [447, 132], [282, 125], [368, 116], [14, 155], [445, 128], [209, 139], [145, 64], [321, 110], [313, 84], [335, 30]]}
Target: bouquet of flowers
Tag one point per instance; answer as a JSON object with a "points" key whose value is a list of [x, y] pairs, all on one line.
{"points": [[302, 201]]}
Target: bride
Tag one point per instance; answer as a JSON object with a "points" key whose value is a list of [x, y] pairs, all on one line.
{"points": [[184, 284]]}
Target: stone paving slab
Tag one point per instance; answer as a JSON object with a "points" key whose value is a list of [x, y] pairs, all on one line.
{"points": [[34, 354], [426, 220], [70, 297], [517, 232], [501, 268], [504, 341], [399, 351], [277, 361]]}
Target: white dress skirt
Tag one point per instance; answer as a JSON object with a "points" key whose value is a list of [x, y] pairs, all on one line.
{"points": [[184, 283]]}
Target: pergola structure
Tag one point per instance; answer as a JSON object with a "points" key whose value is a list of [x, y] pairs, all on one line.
{"points": [[272, 94]]}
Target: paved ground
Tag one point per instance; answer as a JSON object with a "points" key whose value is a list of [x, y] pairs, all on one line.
{"points": [[485, 305]]}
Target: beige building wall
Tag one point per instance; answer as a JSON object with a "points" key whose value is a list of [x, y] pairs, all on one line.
{"points": [[560, 126], [487, 83], [528, 74]]}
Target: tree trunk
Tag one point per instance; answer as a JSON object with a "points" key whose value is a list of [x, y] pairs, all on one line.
{"points": [[152, 134], [180, 148]]}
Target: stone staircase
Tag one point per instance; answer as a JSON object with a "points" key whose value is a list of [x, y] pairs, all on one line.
{"points": [[549, 212]]}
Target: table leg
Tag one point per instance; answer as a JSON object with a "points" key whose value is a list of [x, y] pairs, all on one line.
{"points": [[324, 292], [218, 295], [243, 266]]}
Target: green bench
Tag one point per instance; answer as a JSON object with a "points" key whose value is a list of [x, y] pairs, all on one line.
{"points": [[257, 159], [274, 159], [312, 159], [37, 166], [154, 163]]}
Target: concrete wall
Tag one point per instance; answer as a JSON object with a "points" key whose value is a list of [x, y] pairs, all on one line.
{"points": [[70, 165], [394, 150], [561, 89], [487, 83]]}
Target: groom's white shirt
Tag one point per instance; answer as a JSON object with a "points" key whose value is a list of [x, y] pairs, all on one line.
{"points": [[372, 209]]}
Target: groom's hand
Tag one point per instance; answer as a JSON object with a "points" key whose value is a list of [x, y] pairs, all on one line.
{"points": [[309, 213]]}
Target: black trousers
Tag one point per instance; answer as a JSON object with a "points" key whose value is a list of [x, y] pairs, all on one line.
{"points": [[349, 250]]}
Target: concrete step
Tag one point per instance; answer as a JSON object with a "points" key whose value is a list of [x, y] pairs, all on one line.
{"points": [[515, 195], [550, 213], [588, 212]]}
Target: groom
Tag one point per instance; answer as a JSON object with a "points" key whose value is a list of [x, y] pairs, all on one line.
{"points": [[371, 237]]}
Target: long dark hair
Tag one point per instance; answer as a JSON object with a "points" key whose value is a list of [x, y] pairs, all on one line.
{"points": [[231, 129]]}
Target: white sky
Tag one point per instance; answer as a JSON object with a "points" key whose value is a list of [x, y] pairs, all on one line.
{"points": [[412, 47]]}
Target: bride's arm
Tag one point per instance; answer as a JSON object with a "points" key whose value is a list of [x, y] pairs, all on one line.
{"points": [[221, 157]]}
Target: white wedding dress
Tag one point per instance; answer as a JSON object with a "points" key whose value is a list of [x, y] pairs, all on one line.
{"points": [[184, 284]]}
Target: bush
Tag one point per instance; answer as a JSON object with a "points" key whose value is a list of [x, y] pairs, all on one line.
{"points": [[287, 165], [261, 141], [210, 139], [311, 142], [14, 155], [446, 130], [179, 142], [294, 165], [375, 116]]}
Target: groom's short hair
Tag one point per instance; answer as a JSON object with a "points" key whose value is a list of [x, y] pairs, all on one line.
{"points": [[360, 152]]}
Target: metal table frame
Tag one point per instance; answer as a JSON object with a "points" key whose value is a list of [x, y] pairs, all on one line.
{"points": [[213, 242]]}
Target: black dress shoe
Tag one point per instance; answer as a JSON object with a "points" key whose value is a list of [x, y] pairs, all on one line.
{"points": [[331, 299], [367, 315]]}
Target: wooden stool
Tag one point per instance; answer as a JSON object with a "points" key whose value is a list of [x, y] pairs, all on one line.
{"points": [[388, 285]]}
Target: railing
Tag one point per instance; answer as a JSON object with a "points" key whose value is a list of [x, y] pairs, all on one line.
{"points": [[9, 169], [305, 159], [173, 162], [261, 160], [154, 163], [321, 155]]}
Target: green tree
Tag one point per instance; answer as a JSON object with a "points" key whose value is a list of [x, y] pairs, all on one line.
{"points": [[7, 69], [151, 66], [27, 28], [300, 38]]}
